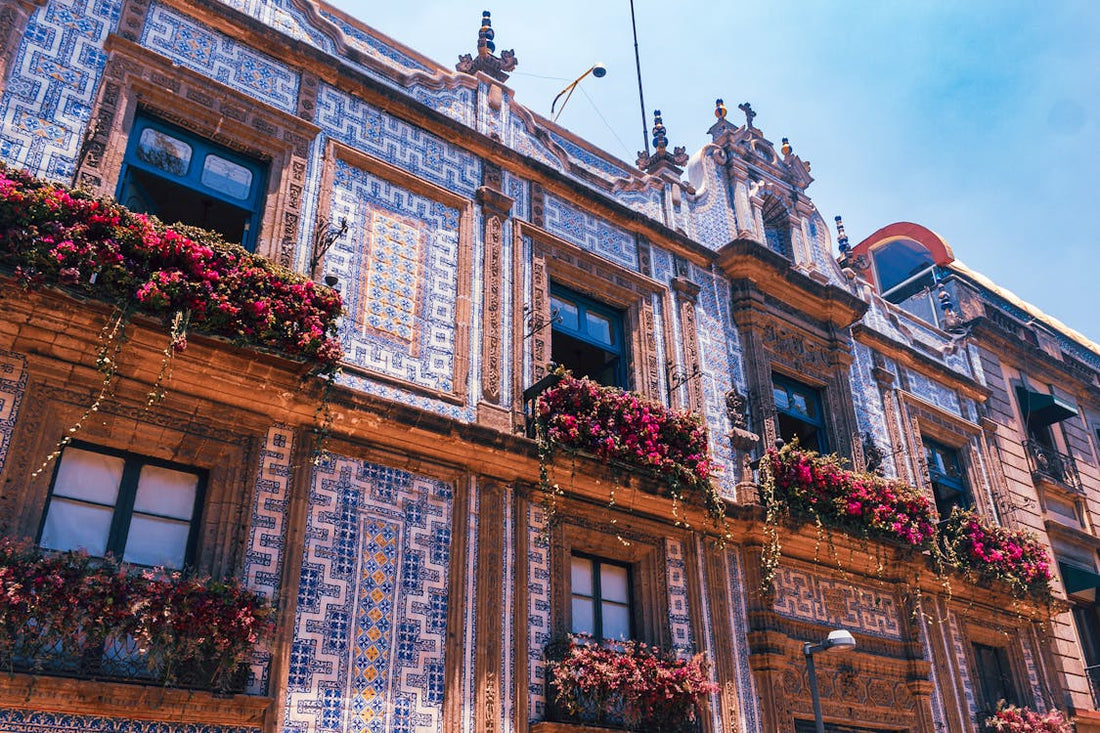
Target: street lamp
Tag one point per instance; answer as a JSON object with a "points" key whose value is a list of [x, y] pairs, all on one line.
{"points": [[841, 640], [598, 70]]}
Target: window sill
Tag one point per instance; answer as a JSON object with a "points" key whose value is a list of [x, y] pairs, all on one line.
{"points": [[548, 727]]}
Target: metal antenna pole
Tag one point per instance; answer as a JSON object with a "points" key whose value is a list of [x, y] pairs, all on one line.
{"points": [[638, 64]]}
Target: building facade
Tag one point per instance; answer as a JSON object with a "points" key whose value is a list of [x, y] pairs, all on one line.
{"points": [[417, 562]]}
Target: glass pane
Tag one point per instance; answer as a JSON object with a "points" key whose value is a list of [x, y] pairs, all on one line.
{"points": [[599, 328], [166, 492], [584, 617], [225, 176], [89, 476], [616, 621], [565, 314], [801, 405], [155, 541], [163, 151], [900, 260], [582, 576], [73, 525], [614, 585], [780, 396]]}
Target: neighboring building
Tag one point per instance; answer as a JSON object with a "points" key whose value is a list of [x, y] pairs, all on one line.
{"points": [[416, 572]]}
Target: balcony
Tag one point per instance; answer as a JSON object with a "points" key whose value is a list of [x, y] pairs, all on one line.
{"points": [[71, 615], [1047, 463]]}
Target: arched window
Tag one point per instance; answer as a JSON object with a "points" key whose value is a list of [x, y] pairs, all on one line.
{"points": [[903, 268]]}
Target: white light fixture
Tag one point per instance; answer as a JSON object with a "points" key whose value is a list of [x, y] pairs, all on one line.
{"points": [[840, 640]]}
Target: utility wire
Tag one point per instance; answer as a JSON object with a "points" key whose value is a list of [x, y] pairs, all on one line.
{"points": [[606, 123]]}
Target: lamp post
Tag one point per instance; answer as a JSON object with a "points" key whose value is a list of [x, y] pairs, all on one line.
{"points": [[840, 640], [598, 70]]}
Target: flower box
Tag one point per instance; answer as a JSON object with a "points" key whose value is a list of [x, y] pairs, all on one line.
{"points": [[1013, 719], [991, 553], [619, 427], [52, 235], [802, 483], [73, 615], [624, 685]]}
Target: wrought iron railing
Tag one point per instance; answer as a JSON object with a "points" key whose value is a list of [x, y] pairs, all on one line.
{"points": [[1093, 673], [531, 395], [1048, 463], [84, 658]]}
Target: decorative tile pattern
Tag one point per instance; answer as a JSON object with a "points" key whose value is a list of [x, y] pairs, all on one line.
{"points": [[934, 392], [711, 208], [370, 629], [721, 363], [366, 128], [647, 202], [590, 233], [51, 85], [867, 400], [746, 683], [13, 385], [263, 564], [399, 260], [837, 603], [373, 46], [458, 104], [520, 192], [538, 608], [285, 18], [591, 162], [367, 385], [207, 51], [26, 721], [521, 140], [678, 617]]}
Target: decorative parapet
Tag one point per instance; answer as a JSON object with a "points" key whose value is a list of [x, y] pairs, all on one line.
{"points": [[660, 160]]}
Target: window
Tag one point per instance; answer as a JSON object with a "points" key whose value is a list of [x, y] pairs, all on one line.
{"points": [[1041, 411], [587, 337], [138, 509], [181, 177], [799, 413], [948, 477], [904, 267], [994, 676], [601, 598]]}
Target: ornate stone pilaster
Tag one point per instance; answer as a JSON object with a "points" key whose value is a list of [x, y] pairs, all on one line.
{"points": [[686, 294], [496, 208], [490, 598]]}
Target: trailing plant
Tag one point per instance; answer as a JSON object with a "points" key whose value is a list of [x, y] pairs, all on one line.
{"points": [[582, 416], [646, 688], [1013, 719], [71, 612], [53, 235], [985, 551]]}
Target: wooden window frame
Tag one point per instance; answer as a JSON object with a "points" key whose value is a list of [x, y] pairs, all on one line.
{"points": [[597, 595], [123, 508]]}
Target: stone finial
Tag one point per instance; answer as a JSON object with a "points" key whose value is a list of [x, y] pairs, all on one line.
{"points": [[496, 67], [749, 114], [661, 158], [737, 410], [786, 147], [660, 140], [841, 237], [720, 109]]}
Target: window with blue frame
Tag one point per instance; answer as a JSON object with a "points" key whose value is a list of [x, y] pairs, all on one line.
{"points": [[799, 413], [180, 177], [945, 469], [587, 337]]}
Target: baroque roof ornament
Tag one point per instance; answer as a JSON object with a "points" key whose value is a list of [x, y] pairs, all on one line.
{"points": [[661, 158], [494, 66]]}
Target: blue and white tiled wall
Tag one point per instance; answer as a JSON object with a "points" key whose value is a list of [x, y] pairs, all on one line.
{"points": [[27, 721], [52, 83], [371, 624]]}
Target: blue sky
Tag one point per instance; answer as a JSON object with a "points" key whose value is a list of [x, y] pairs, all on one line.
{"points": [[979, 119]]}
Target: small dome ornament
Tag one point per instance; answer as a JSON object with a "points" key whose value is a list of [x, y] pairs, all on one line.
{"points": [[720, 109], [661, 158], [786, 148]]}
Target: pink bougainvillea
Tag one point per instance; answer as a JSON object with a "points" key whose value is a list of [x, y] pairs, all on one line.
{"points": [[990, 552], [615, 425], [807, 484], [1013, 719], [644, 687], [50, 235], [57, 604]]}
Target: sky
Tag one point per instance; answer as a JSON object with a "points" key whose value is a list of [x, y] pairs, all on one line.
{"points": [[979, 119]]}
